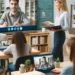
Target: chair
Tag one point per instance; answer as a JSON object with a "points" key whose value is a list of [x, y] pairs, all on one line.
{"points": [[20, 60]]}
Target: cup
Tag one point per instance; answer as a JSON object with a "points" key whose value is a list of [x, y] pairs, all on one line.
{"points": [[21, 70], [43, 29]]}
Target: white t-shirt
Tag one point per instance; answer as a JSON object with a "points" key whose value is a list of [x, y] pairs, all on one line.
{"points": [[63, 20], [12, 50]]}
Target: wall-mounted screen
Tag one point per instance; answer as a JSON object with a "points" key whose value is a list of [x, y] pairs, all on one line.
{"points": [[26, 7]]}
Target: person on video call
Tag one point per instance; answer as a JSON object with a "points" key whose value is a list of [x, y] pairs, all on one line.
{"points": [[44, 64], [14, 17]]}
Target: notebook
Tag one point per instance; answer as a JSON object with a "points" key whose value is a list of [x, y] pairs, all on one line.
{"points": [[50, 27], [44, 62]]}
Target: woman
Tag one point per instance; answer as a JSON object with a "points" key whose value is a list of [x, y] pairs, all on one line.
{"points": [[19, 46], [59, 35], [70, 68]]}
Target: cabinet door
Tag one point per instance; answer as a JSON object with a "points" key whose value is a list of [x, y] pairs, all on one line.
{"points": [[45, 11]]}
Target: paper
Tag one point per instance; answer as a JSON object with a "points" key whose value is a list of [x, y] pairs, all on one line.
{"points": [[34, 50], [33, 73]]}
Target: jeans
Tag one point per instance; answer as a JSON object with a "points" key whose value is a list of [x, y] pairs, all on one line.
{"points": [[59, 38]]}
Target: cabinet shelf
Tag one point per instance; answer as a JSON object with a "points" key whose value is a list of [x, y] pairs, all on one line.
{"points": [[72, 20], [1, 7], [39, 45], [43, 47]]}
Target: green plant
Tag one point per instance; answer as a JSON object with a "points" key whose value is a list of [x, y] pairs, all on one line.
{"points": [[57, 59], [28, 62]]}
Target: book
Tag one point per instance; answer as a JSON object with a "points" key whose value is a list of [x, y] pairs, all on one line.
{"points": [[50, 27], [34, 40]]}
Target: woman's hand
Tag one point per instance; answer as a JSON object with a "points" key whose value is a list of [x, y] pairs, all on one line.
{"points": [[47, 22], [55, 30], [56, 70]]}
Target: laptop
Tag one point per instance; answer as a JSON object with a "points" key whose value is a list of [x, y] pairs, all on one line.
{"points": [[44, 62]]}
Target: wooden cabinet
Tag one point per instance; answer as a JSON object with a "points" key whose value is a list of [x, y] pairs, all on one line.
{"points": [[72, 20], [1, 7], [38, 40]]}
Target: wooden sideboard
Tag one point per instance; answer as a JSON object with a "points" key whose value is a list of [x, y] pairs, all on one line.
{"points": [[38, 40]]}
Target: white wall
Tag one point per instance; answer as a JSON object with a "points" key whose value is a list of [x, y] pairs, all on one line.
{"points": [[21, 4]]}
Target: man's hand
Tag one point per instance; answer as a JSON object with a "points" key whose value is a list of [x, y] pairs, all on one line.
{"points": [[5, 24], [18, 24]]}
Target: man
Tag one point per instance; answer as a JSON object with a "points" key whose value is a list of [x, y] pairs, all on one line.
{"points": [[44, 63], [14, 16]]}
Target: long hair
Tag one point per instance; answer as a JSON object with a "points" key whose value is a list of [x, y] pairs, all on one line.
{"points": [[71, 45], [64, 4], [19, 39]]}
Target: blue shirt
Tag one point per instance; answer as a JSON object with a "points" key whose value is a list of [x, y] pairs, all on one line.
{"points": [[67, 70]]}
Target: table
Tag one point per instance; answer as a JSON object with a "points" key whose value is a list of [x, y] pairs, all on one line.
{"points": [[18, 73], [4, 56], [62, 64], [7, 56]]}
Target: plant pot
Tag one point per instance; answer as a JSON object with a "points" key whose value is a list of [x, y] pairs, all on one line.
{"points": [[57, 64], [29, 68]]}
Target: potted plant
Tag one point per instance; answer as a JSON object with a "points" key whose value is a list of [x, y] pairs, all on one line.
{"points": [[57, 63], [28, 65]]}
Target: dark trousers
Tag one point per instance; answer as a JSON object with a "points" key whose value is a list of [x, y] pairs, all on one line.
{"points": [[2, 62], [59, 38]]}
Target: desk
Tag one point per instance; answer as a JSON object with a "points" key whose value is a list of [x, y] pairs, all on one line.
{"points": [[18, 73], [5, 56], [61, 66]]}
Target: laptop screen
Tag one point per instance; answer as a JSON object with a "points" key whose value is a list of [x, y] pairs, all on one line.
{"points": [[44, 62]]}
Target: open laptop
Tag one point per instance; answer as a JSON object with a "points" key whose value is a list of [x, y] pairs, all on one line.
{"points": [[44, 62]]}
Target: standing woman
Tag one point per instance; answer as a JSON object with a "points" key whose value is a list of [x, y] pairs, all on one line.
{"points": [[59, 35]]}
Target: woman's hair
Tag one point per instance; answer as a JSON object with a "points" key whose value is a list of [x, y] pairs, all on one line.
{"points": [[19, 39], [71, 45], [14, 0], [64, 4]]}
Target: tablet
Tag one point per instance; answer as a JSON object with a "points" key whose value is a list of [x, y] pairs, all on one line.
{"points": [[44, 62], [50, 27]]}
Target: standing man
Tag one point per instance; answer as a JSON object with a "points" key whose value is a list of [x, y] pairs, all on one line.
{"points": [[14, 17]]}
